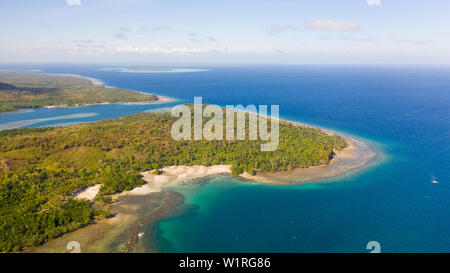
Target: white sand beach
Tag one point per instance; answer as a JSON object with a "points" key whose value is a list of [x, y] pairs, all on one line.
{"points": [[88, 193], [353, 156], [176, 174]]}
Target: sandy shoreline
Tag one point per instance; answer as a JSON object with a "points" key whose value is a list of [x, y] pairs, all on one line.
{"points": [[176, 174], [354, 157], [124, 232], [156, 183], [357, 154]]}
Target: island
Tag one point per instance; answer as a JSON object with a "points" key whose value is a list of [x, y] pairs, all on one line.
{"points": [[156, 70], [32, 90], [43, 169]]}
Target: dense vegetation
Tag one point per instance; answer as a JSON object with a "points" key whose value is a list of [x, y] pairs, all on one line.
{"points": [[19, 91], [40, 168]]}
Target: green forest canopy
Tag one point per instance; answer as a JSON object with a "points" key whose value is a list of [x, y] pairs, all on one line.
{"points": [[19, 90]]}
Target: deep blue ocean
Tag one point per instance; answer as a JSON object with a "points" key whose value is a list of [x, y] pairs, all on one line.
{"points": [[402, 111]]}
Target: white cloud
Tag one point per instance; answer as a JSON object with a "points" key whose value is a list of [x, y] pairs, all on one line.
{"points": [[157, 50], [329, 25], [73, 2], [373, 2]]}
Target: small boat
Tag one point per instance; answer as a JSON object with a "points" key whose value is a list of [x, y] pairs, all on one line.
{"points": [[140, 235], [433, 180]]}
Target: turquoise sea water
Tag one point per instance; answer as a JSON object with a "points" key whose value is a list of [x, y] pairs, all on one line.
{"points": [[404, 112]]}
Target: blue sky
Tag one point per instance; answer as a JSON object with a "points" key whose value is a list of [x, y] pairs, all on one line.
{"points": [[226, 31]]}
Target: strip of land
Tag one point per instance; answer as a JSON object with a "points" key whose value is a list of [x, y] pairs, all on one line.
{"points": [[21, 91]]}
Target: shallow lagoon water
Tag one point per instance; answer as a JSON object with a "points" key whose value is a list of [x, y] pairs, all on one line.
{"points": [[40, 117], [403, 111]]}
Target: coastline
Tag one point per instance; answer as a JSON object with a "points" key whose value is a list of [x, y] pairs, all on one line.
{"points": [[95, 81], [139, 210], [122, 233], [354, 156]]}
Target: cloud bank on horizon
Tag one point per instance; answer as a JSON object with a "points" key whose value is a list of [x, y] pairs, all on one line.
{"points": [[373, 2], [251, 31], [73, 2], [325, 24]]}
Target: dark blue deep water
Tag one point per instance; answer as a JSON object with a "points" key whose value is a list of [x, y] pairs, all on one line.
{"points": [[404, 112]]}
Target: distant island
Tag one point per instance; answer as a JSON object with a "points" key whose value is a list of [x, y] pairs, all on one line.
{"points": [[156, 70], [42, 169], [31, 90]]}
